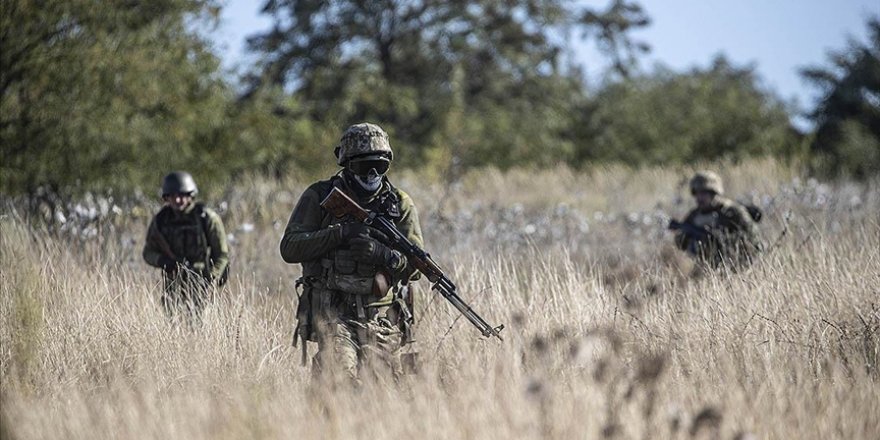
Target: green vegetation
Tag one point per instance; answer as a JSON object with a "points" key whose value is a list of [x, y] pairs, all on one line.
{"points": [[848, 117], [669, 117], [108, 96], [111, 97]]}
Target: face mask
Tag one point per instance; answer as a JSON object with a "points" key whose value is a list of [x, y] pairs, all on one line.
{"points": [[371, 182]]}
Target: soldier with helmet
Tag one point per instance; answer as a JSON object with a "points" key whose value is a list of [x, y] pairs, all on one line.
{"points": [[352, 303], [718, 231], [187, 241]]}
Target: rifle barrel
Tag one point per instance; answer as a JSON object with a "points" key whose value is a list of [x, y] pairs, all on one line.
{"points": [[339, 204]]}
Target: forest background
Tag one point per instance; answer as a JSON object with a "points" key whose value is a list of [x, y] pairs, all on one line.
{"points": [[108, 99]]}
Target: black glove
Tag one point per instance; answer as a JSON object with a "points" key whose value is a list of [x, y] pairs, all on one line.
{"points": [[348, 231], [167, 264], [353, 230], [367, 249]]}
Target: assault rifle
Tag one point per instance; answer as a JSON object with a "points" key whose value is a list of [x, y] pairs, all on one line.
{"points": [[689, 229], [159, 239], [696, 234], [340, 205]]}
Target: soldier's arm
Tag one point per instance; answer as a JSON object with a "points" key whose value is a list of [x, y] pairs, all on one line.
{"points": [[152, 253], [304, 239], [408, 225], [683, 240], [743, 224], [219, 246]]}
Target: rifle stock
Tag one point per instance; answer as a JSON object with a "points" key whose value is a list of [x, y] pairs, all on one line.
{"points": [[160, 240], [340, 205]]}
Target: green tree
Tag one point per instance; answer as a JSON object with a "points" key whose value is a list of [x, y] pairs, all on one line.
{"points": [[670, 117], [612, 28], [105, 95], [848, 115], [426, 70]]}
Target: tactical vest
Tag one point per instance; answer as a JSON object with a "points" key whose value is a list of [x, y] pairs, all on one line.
{"points": [[186, 234], [343, 273], [726, 240], [706, 220]]}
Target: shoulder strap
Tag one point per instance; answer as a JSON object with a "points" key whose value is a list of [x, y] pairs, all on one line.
{"points": [[199, 211], [391, 201]]}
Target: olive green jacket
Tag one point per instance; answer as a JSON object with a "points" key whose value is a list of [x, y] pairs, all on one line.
{"points": [[312, 233], [195, 235]]}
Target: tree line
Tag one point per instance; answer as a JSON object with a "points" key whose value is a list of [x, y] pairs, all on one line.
{"points": [[109, 98]]}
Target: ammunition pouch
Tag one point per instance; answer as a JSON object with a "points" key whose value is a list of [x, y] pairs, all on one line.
{"points": [[345, 287], [344, 274]]}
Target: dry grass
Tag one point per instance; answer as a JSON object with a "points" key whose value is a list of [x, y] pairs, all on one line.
{"points": [[606, 337]]}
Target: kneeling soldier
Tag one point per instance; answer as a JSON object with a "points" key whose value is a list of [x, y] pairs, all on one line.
{"points": [[718, 231]]}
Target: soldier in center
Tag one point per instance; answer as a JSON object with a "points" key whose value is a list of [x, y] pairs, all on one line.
{"points": [[353, 283]]}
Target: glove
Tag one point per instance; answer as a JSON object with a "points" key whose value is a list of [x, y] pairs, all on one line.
{"points": [[348, 231], [369, 250], [167, 264]]}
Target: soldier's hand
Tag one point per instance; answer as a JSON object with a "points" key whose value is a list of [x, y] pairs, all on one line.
{"points": [[351, 230], [168, 265], [369, 250], [357, 230], [188, 266]]}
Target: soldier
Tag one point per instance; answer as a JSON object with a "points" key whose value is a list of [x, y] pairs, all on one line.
{"points": [[353, 283], [718, 231], [188, 242]]}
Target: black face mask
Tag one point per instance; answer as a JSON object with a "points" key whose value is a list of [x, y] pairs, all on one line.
{"points": [[363, 186]]}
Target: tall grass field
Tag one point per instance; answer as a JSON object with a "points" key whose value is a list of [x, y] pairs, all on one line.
{"points": [[607, 334]]}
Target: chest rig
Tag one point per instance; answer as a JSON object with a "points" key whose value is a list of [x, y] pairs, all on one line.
{"points": [[186, 233], [340, 271], [706, 220]]}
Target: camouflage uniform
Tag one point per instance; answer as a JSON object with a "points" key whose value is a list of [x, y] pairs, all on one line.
{"points": [[355, 322], [190, 246], [730, 235]]}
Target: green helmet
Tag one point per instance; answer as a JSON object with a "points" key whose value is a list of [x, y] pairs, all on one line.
{"points": [[361, 140], [179, 182], [707, 181]]}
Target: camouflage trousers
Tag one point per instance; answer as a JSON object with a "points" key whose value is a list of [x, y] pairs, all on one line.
{"points": [[353, 349]]}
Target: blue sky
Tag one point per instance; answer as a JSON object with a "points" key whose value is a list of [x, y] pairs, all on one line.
{"points": [[778, 36]]}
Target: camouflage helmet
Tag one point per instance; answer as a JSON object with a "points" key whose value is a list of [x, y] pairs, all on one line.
{"points": [[362, 139], [707, 181], [179, 182]]}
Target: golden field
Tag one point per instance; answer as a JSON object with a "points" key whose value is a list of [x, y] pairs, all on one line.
{"points": [[607, 336]]}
